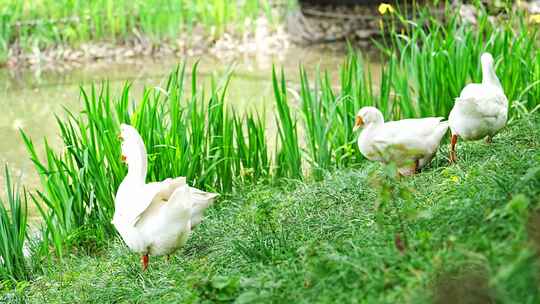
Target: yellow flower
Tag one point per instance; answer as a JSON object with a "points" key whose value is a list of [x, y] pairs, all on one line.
{"points": [[534, 18], [454, 178], [384, 8]]}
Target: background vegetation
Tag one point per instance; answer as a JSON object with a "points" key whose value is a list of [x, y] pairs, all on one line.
{"points": [[31, 25]]}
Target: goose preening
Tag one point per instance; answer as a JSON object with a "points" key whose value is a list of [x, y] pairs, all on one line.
{"points": [[155, 218], [481, 109], [409, 143]]}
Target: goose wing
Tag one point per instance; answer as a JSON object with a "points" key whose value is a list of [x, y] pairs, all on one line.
{"points": [[153, 195], [407, 138], [483, 100], [492, 105], [201, 201]]}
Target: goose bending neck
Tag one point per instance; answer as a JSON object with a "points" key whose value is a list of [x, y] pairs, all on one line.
{"points": [[488, 74]]}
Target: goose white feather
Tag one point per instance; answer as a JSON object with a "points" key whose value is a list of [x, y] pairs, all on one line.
{"points": [[481, 110], [410, 143], [154, 218]]}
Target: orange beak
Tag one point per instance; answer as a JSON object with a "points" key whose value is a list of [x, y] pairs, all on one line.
{"points": [[358, 123], [123, 158]]}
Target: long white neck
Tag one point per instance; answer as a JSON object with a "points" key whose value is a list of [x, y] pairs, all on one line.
{"points": [[137, 164], [488, 75], [135, 152]]}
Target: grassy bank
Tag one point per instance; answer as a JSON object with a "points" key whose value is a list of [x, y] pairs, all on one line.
{"points": [[472, 235]]}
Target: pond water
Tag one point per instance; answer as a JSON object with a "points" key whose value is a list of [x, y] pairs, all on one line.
{"points": [[30, 99]]}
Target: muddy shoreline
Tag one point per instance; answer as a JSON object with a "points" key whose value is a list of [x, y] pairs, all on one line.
{"points": [[265, 39]]}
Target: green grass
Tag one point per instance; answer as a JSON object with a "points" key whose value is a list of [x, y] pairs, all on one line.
{"points": [[13, 233], [46, 23], [200, 137], [335, 236], [473, 235]]}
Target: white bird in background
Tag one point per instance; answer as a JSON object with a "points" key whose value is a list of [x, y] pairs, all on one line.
{"points": [[155, 218], [481, 110], [409, 143]]}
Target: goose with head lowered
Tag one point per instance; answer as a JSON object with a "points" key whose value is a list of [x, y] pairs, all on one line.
{"points": [[409, 143], [481, 110], [154, 218]]}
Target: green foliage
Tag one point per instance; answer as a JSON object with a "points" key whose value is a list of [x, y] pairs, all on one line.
{"points": [[268, 242], [13, 225], [288, 158], [435, 58], [77, 182], [252, 148], [44, 23], [307, 236], [198, 137], [393, 205], [219, 289]]}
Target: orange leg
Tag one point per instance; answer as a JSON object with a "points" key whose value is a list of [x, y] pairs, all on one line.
{"points": [[144, 262], [453, 143]]}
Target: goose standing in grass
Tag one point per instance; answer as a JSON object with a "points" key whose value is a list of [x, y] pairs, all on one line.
{"points": [[155, 218], [409, 143], [481, 110]]}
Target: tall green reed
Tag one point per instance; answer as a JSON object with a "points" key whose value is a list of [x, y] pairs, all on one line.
{"points": [[76, 182], [288, 158], [252, 147], [13, 225]]}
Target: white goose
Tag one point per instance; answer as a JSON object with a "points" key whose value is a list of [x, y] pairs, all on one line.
{"points": [[155, 218], [481, 109], [409, 143]]}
